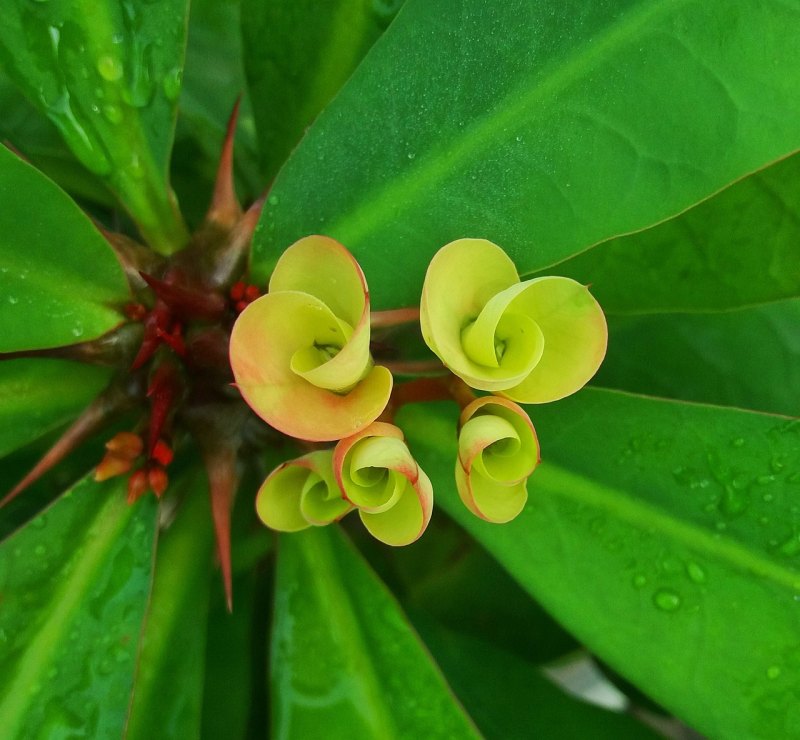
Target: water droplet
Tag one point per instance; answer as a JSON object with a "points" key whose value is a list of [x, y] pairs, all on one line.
{"points": [[794, 478], [777, 464], [768, 497], [639, 580], [140, 88], [273, 200], [135, 167], [733, 501], [773, 672], [172, 83], [77, 330], [518, 138], [738, 442], [667, 600], [112, 113], [721, 526], [695, 572], [765, 480], [411, 155], [40, 550], [110, 68], [791, 546], [13, 300]]}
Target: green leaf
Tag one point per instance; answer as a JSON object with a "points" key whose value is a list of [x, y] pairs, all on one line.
{"points": [[60, 282], [736, 249], [545, 127], [344, 657], [108, 76], [666, 536], [748, 358], [510, 697], [39, 395], [39, 141], [297, 57], [451, 578], [167, 696], [74, 583]]}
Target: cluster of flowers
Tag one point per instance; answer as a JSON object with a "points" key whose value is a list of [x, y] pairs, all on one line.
{"points": [[301, 359]]}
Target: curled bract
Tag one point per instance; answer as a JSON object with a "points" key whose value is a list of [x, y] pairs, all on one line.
{"points": [[300, 354], [378, 475], [301, 493], [532, 341], [497, 451]]}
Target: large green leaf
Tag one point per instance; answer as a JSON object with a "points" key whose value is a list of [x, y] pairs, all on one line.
{"points": [[510, 698], [32, 134], [167, 696], [60, 282], [297, 57], [74, 583], [108, 76], [39, 395], [544, 126], [748, 358], [666, 537], [343, 655], [736, 249]]}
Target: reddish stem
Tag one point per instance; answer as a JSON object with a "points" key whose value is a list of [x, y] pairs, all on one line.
{"points": [[393, 317]]}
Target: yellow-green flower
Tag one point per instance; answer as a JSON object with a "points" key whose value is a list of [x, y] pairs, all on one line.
{"points": [[379, 476], [497, 452], [300, 354], [301, 493], [532, 341]]}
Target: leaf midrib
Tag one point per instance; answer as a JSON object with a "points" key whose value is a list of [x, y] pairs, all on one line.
{"points": [[504, 119], [67, 600], [563, 483]]}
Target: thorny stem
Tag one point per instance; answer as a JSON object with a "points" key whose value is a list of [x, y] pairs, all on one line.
{"points": [[445, 388], [393, 317]]}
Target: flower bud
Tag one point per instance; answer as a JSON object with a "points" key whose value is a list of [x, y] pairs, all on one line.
{"points": [[497, 451], [378, 475]]}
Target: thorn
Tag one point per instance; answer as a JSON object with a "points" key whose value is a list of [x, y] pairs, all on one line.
{"points": [[187, 302], [112, 465], [126, 444], [137, 486], [158, 480], [156, 321], [162, 453], [93, 417], [162, 392], [133, 256], [225, 209], [229, 260], [173, 339], [223, 481]]}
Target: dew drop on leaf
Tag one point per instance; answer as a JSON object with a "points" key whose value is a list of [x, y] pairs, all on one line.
{"points": [[695, 572], [110, 68], [667, 600]]}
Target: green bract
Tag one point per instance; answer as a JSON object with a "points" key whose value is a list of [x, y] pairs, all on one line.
{"points": [[533, 341], [300, 493], [300, 354], [378, 475], [497, 451]]}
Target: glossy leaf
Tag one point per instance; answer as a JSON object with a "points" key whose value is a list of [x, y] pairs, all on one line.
{"points": [[60, 283], [546, 127], [736, 249], [748, 358], [297, 57], [511, 698], [167, 696], [75, 583], [39, 395], [343, 656], [109, 78], [665, 536], [38, 140]]}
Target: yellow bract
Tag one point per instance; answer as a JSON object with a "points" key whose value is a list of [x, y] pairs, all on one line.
{"points": [[378, 475], [532, 341], [497, 451], [300, 354]]}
